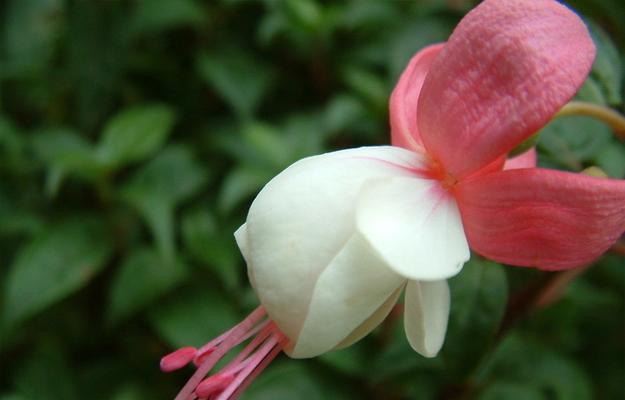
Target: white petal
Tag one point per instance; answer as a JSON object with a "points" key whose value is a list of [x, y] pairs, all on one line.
{"points": [[303, 218], [425, 315], [240, 235], [372, 322], [415, 226], [349, 291]]}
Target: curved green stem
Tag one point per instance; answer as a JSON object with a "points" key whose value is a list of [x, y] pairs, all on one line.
{"points": [[612, 118]]}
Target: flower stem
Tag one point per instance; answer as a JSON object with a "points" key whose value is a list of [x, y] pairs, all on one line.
{"points": [[615, 120]]}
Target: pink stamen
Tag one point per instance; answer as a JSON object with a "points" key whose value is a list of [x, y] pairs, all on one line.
{"points": [[255, 360], [228, 383], [214, 384], [178, 359]]}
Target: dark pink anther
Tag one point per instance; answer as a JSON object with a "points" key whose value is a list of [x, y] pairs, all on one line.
{"points": [[177, 359], [214, 384]]}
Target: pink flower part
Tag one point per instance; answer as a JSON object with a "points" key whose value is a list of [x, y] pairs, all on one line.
{"points": [[537, 217], [177, 359], [403, 102], [506, 69], [524, 160], [226, 384]]}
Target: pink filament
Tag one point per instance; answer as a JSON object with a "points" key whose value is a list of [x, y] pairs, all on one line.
{"points": [[231, 380]]}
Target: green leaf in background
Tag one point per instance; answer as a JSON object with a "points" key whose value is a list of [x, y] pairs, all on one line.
{"points": [[212, 246], [478, 300], [59, 261], [46, 374], [611, 159], [607, 68], [12, 146], [240, 184], [592, 92], [30, 30], [65, 152], [141, 279], [238, 78], [158, 187], [519, 361], [507, 390], [287, 381], [193, 315], [159, 15], [572, 141], [266, 141], [134, 135], [412, 37], [368, 85]]}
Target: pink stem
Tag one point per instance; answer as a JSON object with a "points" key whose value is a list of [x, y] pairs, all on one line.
{"points": [[256, 359], [251, 346], [274, 352], [233, 339]]}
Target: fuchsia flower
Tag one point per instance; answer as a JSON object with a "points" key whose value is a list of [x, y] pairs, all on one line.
{"points": [[332, 241]]}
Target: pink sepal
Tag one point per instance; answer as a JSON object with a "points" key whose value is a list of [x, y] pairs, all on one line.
{"points": [[527, 159], [540, 218], [405, 96], [506, 69]]}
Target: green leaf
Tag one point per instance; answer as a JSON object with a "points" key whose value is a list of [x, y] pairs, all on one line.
{"points": [[193, 315], [241, 183], [506, 390], [572, 141], [238, 78], [287, 381], [368, 85], [524, 362], [134, 135], [271, 147], [478, 300], [591, 92], [343, 112], [143, 277], [12, 145], [59, 261], [30, 34], [607, 68], [304, 13], [46, 374], [611, 159], [65, 152], [212, 245], [159, 186], [159, 15], [413, 37]]}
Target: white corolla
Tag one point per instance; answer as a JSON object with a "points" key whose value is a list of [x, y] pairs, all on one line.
{"points": [[331, 242]]}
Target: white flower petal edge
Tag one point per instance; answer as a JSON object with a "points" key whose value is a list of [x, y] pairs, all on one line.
{"points": [[373, 321], [415, 226], [348, 292], [301, 221], [426, 311]]}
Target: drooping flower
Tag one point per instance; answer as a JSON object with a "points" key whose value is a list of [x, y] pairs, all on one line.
{"points": [[332, 241]]}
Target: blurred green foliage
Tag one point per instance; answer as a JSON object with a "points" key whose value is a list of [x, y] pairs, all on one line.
{"points": [[133, 135]]}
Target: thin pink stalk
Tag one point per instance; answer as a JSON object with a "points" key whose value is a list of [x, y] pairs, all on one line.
{"points": [[233, 339], [267, 330], [256, 359], [256, 315], [266, 361]]}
